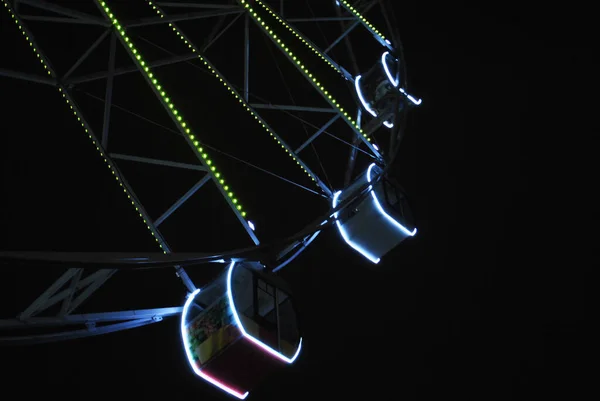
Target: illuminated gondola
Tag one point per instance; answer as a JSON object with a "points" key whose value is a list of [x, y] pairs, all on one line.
{"points": [[379, 221], [381, 94], [240, 328]]}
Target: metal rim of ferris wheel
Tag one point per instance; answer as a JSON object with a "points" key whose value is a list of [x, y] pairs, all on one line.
{"points": [[370, 105]]}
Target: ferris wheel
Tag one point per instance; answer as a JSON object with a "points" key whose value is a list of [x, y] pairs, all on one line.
{"points": [[311, 94]]}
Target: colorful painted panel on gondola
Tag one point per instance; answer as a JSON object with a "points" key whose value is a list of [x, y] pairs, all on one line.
{"points": [[212, 331]]}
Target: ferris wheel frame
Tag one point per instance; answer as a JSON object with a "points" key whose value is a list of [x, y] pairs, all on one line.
{"points": [[276, 256]]}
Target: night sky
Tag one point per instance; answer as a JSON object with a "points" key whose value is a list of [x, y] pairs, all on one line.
{"points": [[485, 303]]}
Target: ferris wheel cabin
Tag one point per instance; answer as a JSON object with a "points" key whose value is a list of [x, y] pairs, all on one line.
{"points": [[240, 328], [377, 91], [377, 222]]}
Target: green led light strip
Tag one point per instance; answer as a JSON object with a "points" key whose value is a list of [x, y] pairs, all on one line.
{"points": [[300, 36], [173, 111], [345, 115], [358, 15], [310, 45], [240, 98], [87, 129]]}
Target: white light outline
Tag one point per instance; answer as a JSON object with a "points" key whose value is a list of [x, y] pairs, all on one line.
{"points": [[361, 97], [260, 344], [412, 99], [394, 82], [387, 70], [383, 213], [345, 236], [347, 239], [186, 346], [364, 102], [391, 79]]}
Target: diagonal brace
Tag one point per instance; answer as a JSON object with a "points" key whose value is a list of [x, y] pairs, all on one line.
{"points": [[27, 77], [45, 5], [182, 200], [126, 70], [179, 17]]}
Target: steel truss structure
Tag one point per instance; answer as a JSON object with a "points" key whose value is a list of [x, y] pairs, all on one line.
{"points": [[77, 284]]}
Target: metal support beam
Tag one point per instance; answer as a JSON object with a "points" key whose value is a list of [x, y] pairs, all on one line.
{"points": [[87, 53], [349, 47], [364, 22], [60, 20], [217, 28], [109, 88], [182, 200], [27, 77], [214, 36], [44, 5], [66, 305], [127, 70], [85, 294], [196, 5], [42, 300], [90, 331], [293, 108], [51, 297], [342, 36], [180, 17], [321, 19], [104, 317], [316, 134], [166, 163]]}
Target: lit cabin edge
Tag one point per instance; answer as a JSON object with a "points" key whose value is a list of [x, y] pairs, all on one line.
{"points": [[376, 90], [378, 223], [239, 328]]}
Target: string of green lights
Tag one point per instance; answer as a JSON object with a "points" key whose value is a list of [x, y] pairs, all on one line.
{"points": [[364, 21], [301, 37], [307, 73], [77, 113], [380, 37], [178, 118], [310, 45], [241, 100]]}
